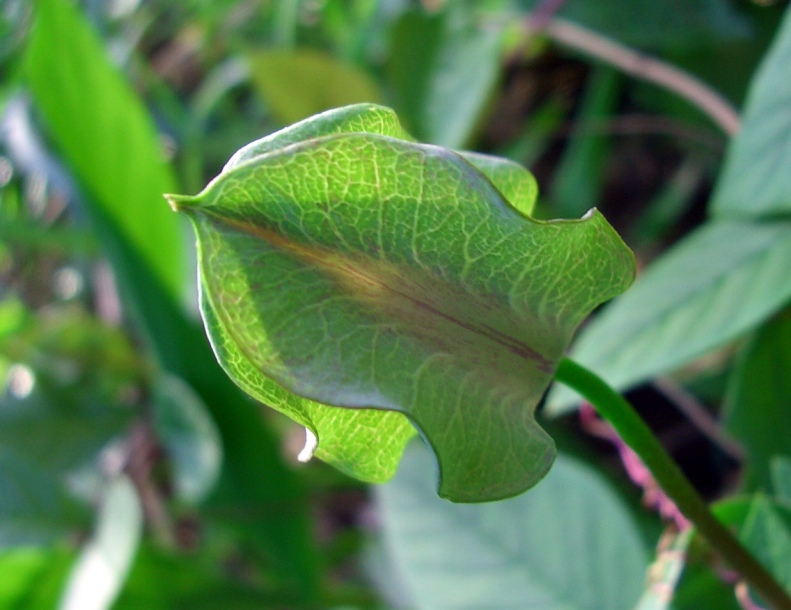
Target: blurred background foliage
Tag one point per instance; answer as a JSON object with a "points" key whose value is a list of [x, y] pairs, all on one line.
{"points": [[133, 474]]}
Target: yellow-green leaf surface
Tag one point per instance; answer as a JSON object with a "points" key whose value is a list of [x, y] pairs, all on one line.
{"points": [[296, 84], [344, 266]]}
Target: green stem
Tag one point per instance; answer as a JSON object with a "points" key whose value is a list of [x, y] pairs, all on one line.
{"points": [[621, 415]]}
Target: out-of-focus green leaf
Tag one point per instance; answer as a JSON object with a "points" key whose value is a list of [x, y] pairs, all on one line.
{"points": [[568, 544], [758, 398], [388, 277], [163, 581], [780, 468], [716, 284], [58, 426], [101, 569], [34, 509], [298, 84], [190, 438], [32, 578], [767, 533], [580, 175], [105, 135], [443, 68], [754, 181]]}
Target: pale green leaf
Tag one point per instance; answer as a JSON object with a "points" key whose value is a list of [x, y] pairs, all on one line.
{"points": [[105, 135], [716, 284], [297, 84], [100, 570], [755, 181], [570, 544], [368, 272]]}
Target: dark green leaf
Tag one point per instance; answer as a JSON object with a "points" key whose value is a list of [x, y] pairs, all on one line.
{"points": [[758, 398], [579, 177], [755, 181], [569, 544], [105, 135], [368, 272], [716, 284]]}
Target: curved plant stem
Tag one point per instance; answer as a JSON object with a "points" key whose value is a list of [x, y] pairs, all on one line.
{"points": [[634, 431]]}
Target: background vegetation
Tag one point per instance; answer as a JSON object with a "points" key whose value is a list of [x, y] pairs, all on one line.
{"points": [[133, 474]]}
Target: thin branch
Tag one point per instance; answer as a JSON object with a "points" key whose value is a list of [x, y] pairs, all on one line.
{"points": [[641, 66]]}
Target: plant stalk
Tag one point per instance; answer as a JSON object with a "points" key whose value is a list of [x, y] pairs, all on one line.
{"points": [[635, 432]]}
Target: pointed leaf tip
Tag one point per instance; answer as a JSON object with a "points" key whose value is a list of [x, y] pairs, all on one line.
{"points": [[179, 202]]}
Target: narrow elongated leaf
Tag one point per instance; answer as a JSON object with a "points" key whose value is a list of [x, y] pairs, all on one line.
{"points": [[755, 181], [570, 544], [579, 177], [717, 283], [758, 398], [363, 271], [105, 134]]}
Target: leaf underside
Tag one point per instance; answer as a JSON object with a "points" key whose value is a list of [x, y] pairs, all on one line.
{"points": [[343, 265]]}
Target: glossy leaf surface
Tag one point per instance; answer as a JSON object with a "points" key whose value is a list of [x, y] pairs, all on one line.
{"points": [[570, 544], [364, 271]]}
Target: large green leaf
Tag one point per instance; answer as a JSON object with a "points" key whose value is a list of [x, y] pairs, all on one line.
{"points": [[570, 544], [759, 396], [755, 181], [364, 271], [105, 134], [717, 283]]}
